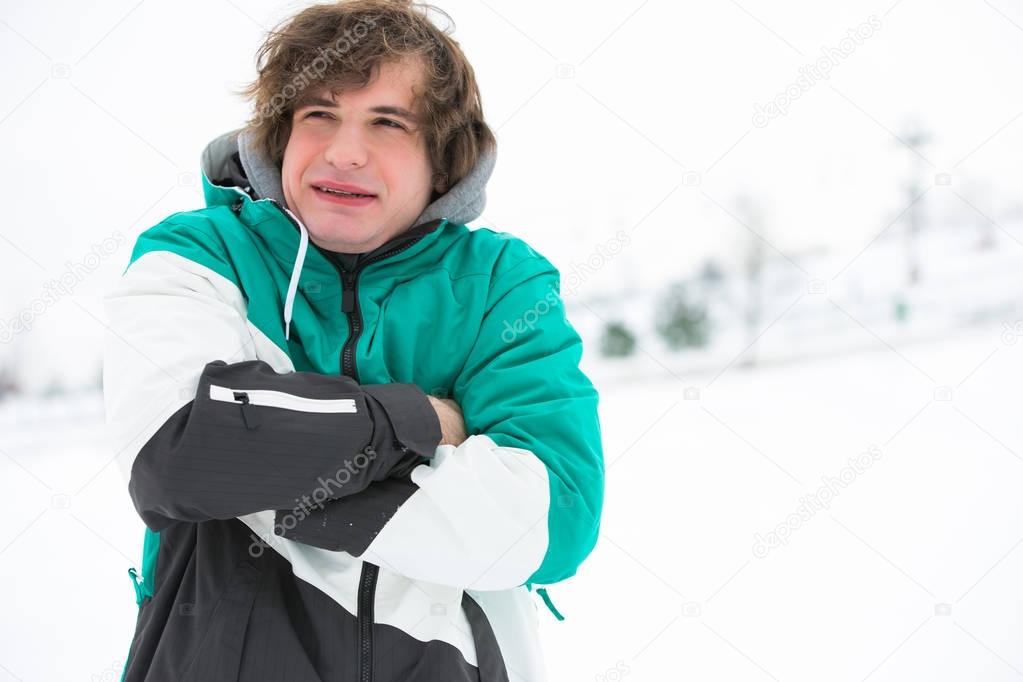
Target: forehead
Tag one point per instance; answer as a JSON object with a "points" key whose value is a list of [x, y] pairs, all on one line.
{"points": [[393, 83]]}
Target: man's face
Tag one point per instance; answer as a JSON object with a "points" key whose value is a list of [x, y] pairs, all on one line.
{"points": [[366, 141]]}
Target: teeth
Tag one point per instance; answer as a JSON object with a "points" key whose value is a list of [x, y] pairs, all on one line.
{"points": [[341, 192]]}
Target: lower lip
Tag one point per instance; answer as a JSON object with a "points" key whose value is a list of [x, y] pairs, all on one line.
{"points": [[344, 201]]}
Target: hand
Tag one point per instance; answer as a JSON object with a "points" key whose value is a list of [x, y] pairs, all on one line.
{"points": [[452, 424]]}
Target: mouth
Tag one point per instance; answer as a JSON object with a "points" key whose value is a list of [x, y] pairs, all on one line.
{"points": [[342, 193]]}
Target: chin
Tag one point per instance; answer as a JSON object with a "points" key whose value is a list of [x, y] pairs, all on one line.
{"points": [[353, 234]]}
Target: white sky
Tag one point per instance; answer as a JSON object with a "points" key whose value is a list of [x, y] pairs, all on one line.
{"points": [[109, 107]]}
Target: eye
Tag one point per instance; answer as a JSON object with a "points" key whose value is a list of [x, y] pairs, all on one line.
{"points": [[317, 114], [390, 124]]}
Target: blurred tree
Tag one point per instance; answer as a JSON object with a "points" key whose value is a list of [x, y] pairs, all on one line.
{"points": [[54, 388], [754, 257], [97, 378], [913, 139], [711, 274], [9, 381], [681, 322], [617, 341]]}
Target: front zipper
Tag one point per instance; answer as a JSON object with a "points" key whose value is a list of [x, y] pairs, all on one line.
{"points": [[349, 296], [368, 577], [287, 401], [350, 302], [350, 307], [367, 594]]}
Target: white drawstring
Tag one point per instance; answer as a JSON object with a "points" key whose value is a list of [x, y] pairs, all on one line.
{"points": [[296, 272]]}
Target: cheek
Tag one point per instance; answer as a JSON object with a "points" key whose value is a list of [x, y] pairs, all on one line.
{"points": [[296, 160], [406, 152], [412, 169], [292, 169]]}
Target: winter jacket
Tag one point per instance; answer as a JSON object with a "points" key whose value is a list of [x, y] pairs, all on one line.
{"points": [[268, 403]]}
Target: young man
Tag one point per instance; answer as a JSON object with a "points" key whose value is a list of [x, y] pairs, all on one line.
{"points": [[356, 430]]}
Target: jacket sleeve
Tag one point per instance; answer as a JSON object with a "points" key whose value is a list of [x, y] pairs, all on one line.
{"points": [[520, 500], [206, 431]]}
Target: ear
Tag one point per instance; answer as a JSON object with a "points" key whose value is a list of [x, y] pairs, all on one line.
{"points": [[440, 182]]}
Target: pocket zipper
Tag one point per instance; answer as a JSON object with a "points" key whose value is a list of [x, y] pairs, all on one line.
{"points": [[283, 400]]}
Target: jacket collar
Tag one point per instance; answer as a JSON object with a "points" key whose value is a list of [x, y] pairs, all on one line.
{"points": [[237, 173]]}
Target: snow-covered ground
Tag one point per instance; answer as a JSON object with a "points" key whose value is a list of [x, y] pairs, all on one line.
{"points": [[910, 572]]}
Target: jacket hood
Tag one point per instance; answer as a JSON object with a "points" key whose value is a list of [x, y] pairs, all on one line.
{"points": [[232, 164]]}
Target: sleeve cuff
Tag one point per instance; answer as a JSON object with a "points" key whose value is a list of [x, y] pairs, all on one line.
{"points": [[414, 422]]}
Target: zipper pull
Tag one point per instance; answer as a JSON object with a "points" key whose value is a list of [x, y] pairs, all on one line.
{"points": [[136, 584], [542, 591], [248, 413], [348, 293]]}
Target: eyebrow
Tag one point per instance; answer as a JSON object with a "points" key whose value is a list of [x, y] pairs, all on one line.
{"points": [[400, 112]]}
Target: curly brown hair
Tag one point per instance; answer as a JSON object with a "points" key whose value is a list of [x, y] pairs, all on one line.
{"points": [[339, 46]]}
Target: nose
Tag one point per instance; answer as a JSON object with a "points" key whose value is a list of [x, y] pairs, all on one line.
{"points": [[347, 148]]}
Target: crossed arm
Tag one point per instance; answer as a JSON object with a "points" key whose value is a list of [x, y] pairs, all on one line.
{"points": [[452, 424]]}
